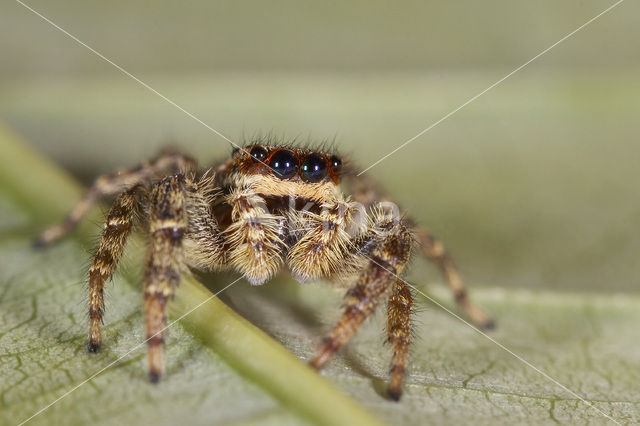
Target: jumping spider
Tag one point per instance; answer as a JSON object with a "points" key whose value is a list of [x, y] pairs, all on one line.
{"points": [[268, 206]]}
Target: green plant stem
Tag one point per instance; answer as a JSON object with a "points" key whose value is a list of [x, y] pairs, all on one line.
{"points": [[48, 192]]}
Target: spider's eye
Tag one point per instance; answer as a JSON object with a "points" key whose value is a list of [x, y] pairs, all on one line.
{"points": [[336, 164], [314, 168], [258, 153], [284, 163]]}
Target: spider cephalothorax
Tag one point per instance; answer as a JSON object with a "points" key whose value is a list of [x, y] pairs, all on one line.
{"points": [[268, 207]]}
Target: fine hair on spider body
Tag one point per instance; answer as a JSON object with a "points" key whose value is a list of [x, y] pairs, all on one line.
{"points": [[266, 208]]}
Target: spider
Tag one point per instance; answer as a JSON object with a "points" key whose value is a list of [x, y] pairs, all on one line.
{"points": [[269, 206]]}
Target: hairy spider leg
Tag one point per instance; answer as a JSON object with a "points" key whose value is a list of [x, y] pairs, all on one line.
{"points": [[433, 249], [388, 249], [165, 262], [399, 310], [112, 183], [117, 228], [366, 191]]}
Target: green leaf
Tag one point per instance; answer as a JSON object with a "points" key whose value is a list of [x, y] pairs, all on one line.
{"points": [[222, 369]]}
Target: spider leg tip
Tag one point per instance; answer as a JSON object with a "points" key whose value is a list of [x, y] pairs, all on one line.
{"points": [[39, 243], [394, 394], [488, 325], [93, 347], [154, 377]]}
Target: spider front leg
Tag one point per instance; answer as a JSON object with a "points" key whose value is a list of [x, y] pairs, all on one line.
{"points": [[399, 309], [117, 229], [387, 252], [168, 223], [114, 183]]}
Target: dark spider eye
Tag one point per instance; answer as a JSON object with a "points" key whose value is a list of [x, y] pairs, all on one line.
{"points": [[284, 164], [336, 164], [314, 168], [258, 153]]}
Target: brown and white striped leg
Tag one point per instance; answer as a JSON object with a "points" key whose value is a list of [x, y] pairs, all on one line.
{"points": [[399, 309], [117, 229], [168, 161], [365, 190], [388, 254], [361, 302], [165, 262], [433, 249]]}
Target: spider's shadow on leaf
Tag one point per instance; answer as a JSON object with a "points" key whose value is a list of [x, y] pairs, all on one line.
{"points": [[285, 296], [279, 294]]}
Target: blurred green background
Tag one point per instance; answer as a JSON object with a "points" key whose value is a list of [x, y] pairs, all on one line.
{"points": [[534, 185]]}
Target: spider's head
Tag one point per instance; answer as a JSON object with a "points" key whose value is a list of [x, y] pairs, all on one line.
{"points": [[289, 164]]}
